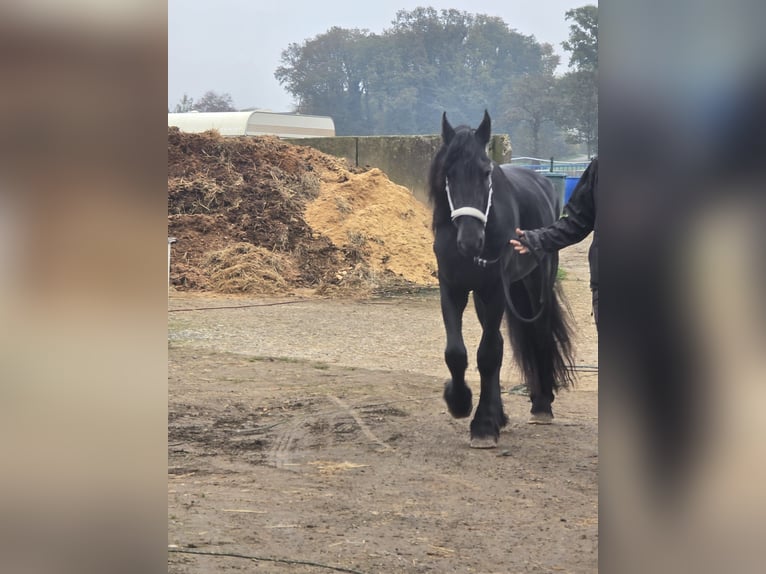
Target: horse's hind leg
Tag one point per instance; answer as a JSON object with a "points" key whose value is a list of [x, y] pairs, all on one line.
{"points": [[489, 417], [457, 395]]}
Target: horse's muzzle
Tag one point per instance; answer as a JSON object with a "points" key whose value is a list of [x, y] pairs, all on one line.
{"points": [[470, 236]]}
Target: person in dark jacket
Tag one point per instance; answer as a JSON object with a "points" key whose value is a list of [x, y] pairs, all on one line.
{"points": [[578, 220]]}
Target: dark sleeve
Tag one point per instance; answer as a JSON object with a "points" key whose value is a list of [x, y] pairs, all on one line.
{"points": [[574, 225]]}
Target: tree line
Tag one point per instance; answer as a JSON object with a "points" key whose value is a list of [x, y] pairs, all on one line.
{"points": [[400, 81]]}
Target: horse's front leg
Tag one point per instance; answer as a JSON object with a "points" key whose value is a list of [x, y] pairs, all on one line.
{"points": [[489, 417], [456, 393]]}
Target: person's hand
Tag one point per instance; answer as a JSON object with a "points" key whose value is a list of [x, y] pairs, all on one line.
{"points": [[517, 245]]}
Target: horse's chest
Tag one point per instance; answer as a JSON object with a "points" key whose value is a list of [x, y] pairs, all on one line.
{"points": [[462, 271], [457, 268]]}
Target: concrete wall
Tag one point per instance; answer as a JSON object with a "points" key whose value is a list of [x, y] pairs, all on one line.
{"points": [[404, 159]]}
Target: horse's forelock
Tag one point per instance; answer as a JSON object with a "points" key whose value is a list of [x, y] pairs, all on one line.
{"points": [[465, 151], [464, 145]]}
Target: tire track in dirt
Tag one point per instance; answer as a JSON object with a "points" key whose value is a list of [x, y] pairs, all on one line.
{"points": [[280, 453], [362, 425]]}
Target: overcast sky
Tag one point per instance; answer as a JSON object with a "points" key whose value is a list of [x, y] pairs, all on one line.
{"points": [[234, 46]]}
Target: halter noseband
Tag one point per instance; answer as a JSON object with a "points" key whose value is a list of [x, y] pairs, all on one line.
{"points": [[470, 211]]}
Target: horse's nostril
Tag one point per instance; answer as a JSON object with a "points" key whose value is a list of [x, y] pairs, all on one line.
{"points": [[471, 247]]}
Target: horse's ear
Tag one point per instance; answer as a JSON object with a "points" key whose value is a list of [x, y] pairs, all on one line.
{"points": [[447, 131], [484, 129]]}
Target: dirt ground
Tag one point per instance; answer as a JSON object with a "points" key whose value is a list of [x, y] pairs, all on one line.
{"points": [[311, 434]]}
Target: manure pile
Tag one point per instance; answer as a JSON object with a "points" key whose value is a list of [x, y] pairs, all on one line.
{"points": [[260, 216]]}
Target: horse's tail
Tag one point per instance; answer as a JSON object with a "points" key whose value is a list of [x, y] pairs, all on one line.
{"points": [[561, 331], [542, 348]]}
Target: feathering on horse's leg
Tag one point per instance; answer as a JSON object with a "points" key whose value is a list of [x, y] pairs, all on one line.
{"points": [[457, 394], [489, 417]]}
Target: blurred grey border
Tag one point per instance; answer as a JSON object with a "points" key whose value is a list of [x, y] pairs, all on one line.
{"points": [[683, 130], [83, 350]]}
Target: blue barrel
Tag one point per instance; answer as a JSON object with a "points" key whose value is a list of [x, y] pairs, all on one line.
{"points": [[569, 186]]}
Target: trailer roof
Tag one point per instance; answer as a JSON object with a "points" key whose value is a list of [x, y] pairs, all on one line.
{"points": [[254, 123]]}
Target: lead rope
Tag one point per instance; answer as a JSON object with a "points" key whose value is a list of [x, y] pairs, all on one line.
{"points": [[544, 288]]}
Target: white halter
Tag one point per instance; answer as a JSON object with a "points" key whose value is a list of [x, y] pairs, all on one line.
{"points": [[470, 211]]}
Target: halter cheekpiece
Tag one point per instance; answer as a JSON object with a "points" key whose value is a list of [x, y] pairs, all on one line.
{"points": [[469, 211]]}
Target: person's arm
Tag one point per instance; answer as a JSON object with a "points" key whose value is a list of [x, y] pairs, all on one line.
{"points": [[574, 225]]}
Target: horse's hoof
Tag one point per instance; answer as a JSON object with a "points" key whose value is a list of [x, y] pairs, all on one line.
{"points": [[458, 401], [484, 442], [540, 419]]}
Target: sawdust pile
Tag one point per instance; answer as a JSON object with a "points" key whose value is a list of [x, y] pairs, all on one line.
{"points": [[257, 215], [381, 219]]}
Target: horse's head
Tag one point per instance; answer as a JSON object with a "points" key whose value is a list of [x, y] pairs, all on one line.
{"points": [[468, 183]]}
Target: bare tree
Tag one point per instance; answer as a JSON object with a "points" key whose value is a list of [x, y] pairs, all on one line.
{"points": [[210, 102], [185, 105], [214, 102]]}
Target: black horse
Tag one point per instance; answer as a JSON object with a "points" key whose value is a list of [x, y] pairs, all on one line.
{"points": [[477, 205]]}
